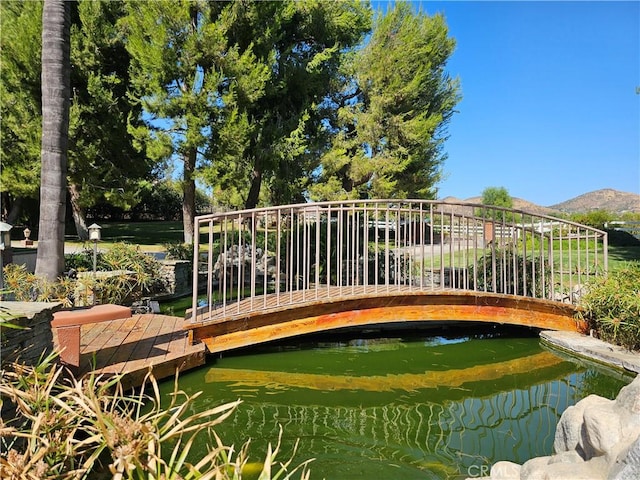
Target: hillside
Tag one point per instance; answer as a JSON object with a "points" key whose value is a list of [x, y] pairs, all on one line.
{"points": [[605, 199]]}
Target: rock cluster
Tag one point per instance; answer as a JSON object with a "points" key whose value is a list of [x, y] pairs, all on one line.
{"points": [[238, 260], [595, 439]]}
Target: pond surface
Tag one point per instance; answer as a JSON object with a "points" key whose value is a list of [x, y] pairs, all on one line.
{"points": [[400, 405]]}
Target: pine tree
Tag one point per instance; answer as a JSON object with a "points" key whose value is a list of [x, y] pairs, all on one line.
{"points": [[390, 124]]}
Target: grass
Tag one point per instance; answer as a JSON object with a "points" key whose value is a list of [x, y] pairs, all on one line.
{"points": [[621, 256], [142, 233], [151, 236]]}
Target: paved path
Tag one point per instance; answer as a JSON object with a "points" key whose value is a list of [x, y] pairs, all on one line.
{"points": [[594, 349]]}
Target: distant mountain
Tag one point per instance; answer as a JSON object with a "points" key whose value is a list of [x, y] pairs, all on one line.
{"points": [[518, 204], [605, 199]]}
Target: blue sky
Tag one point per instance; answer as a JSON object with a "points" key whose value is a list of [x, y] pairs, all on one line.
{"points": [[550, 109]]}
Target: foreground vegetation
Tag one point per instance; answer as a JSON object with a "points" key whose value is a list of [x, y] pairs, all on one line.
{"points": [[59, 427], [612, 306], [134, 275]]}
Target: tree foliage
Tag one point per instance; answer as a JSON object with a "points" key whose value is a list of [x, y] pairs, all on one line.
{"points": [[276, 137], [179, 58], [497, 197], [102, 164], [261, 102], [390, 120], [20, 102], [233, 90]]}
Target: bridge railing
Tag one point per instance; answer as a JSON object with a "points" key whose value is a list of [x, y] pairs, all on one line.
{"points": [[253, 260]]}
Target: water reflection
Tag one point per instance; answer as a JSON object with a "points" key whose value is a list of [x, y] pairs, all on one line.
{"points": [[380, 383], [401, 408]]}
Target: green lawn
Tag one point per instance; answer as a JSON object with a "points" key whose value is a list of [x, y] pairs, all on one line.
{"points": [[619, 256], [143, 233], [153, 235]]}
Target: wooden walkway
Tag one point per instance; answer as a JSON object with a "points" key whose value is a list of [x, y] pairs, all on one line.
{"points": [[276, 316], [131, 346]]}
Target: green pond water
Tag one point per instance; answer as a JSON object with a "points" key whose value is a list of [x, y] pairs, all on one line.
{"points": [[436, 404]]}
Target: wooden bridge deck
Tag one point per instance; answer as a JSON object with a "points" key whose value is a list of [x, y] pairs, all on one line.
{"points": [[269, 317], [131, 346]]}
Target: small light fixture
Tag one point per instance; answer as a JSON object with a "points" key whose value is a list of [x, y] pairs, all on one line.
{"points": [[27, 234], [94, 232]]}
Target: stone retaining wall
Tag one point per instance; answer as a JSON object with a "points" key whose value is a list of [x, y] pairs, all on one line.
{"points": [[35, 339], [178, 277]]}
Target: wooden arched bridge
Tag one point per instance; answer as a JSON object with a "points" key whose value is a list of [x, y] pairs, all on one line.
{"points": [[284, 271]]}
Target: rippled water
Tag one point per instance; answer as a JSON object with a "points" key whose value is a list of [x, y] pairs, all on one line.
{"points": [[403, 406]]}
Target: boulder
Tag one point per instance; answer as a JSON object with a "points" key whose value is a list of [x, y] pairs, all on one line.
{"points": [[534, 468], [627, 465], [505, 471], [597, 438], [602, 428]]}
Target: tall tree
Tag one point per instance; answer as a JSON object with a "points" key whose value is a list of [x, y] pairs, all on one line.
{"points": [[497, 197], [178, 55], [56, 68], [103, 166], [391, 119], [20, 104], [232, 89], [267, 146]]}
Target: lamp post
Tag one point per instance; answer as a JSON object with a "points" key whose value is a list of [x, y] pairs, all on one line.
{"points": [[94, 236], [5, 245]]}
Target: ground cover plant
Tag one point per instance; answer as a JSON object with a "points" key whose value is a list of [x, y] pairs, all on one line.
{"points": [[54, 426]]}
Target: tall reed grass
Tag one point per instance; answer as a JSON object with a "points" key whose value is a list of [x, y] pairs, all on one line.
{"points": [[55, 426]]}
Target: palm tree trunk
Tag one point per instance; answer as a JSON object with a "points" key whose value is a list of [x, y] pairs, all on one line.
{"points": [[56, 67]]}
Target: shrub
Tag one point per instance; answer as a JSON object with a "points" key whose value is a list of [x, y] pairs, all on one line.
{"points": [[27, 287], [54, 426], [179, 251], [145, 268], [612, 306], [81, 261], [482, 274], [139, 275]]}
